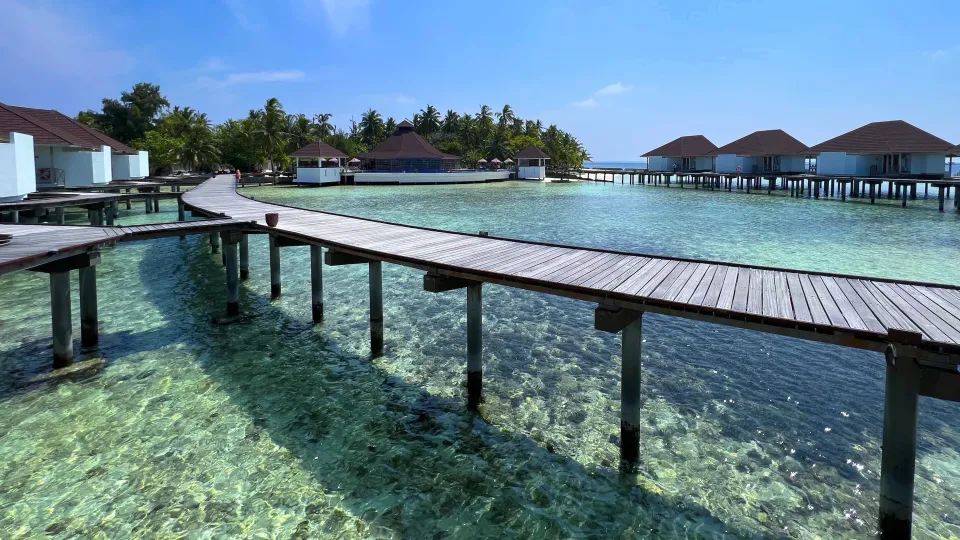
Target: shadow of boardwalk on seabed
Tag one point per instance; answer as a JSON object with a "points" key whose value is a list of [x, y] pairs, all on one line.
{"points": [[410, 464]]}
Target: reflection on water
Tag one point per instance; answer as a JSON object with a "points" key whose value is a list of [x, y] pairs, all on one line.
{"points": [[278, 428]]}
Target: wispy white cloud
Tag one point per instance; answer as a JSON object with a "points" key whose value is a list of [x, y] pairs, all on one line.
{"points": [[341, 16], [50, 41], [609, 90], [942, 55], [248, 78], [615, 88], [241, 12], [405, 99]]}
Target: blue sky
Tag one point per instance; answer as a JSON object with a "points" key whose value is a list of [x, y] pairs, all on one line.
{"points": [[624, 77]]}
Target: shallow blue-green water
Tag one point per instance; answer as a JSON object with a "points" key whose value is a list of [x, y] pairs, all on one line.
{"points": [[273, 427]]}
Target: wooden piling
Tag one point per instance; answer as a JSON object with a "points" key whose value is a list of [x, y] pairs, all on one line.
{"points": [[899, 447], [89, 321], [230, 241], [474, 345], [61, 319], [316, 282], [274, 268], [244, 257], [630, 377], [214, 242], [376, 309]]}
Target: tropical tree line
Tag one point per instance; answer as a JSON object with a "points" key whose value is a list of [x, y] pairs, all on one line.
{"points": [[181, 136]]}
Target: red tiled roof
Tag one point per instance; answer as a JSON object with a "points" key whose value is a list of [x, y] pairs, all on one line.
{"points": [[686, 146], [56, 129], [319, 149], [531, 152], [770, 142], [405, 144], [890, 137]]}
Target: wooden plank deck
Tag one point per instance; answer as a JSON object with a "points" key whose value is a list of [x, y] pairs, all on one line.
{"points": [[33, 245], [851, 310]]}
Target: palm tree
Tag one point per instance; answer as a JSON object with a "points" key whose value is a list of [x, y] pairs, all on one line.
{"points": [[300, 131], [199, 148], [505, 116], [391, 126], [485, 118], [450, 122], [322, 124], [272, 124], [371, 128], [429, 120]]}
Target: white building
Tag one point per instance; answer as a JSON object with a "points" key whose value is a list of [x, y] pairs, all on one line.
{"points": [[17, 173], [767, 151], [892, 148], [685, 153], [531, 163], [318, 163], [69, 154]]}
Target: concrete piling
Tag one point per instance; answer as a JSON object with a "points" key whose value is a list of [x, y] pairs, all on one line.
{"points": [[630, 391], [214, 242]]}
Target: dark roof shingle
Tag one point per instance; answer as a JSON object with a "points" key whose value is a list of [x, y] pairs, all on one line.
{"points": [[686, 146], [405, 144], [53, 128], [770, 142], [318, 149], [531, 152], [894, 136]]}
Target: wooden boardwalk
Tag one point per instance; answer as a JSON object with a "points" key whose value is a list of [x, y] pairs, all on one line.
{"points": [[35, 245], [849, 310]]}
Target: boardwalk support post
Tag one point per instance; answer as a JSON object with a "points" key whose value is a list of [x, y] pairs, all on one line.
{"points": [[89, 321], [59, 271], [274, 267], [244, 257], [181, 213], [60, 315], [614, 319], [339, 258], [316, 282], [440, 283], [214, 242], [230, 241], [899, 447], [376, 308]]}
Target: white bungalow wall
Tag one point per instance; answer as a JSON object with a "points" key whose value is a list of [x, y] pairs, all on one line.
{"points": [[17, 173], [81, 168], [318, 175], [130, 167], [538, 173]]}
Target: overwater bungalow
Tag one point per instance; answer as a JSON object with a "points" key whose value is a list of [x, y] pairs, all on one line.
{"points": [[681, 154], [892, 148], [767, 151], [63, 152], [952, 153], [407, 158], [318, 163], [407, 151], [531, 163]]}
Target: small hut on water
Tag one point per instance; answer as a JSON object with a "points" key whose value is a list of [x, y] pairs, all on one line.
{"points": [[407, 151], [767, 151], [681, 154]]}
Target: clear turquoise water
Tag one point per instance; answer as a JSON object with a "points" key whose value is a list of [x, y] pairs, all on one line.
{"points": [[176, 427]]}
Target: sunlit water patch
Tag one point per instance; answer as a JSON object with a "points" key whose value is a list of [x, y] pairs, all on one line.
{"points": [[275, 427]]}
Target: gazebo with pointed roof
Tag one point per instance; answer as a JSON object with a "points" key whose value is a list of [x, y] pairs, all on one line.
{"points": [[766, 151], [531, 163], [407, 151], [683, 154], [318, 163], [889, 148]]}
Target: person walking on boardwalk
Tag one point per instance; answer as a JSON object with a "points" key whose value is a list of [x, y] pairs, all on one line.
{"points": [[238, 175]]}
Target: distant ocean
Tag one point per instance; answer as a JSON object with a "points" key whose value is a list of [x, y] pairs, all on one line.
{"points": [[616, 164]]}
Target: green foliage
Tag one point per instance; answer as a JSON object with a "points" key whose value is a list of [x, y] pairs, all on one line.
{"points": [[266, 137]]}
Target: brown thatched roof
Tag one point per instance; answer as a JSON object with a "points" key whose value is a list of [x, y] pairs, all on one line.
{"points": [[891, 137], [406, 144], [770, 142], [318, 149], [531, 152], [56, 129]]}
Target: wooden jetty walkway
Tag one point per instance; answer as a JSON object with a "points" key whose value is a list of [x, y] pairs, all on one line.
{"points": [[799, 185], [916, 325], [102, 207]]}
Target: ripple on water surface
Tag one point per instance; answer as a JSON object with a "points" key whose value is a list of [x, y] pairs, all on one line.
{"points": [[275, 427]]}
